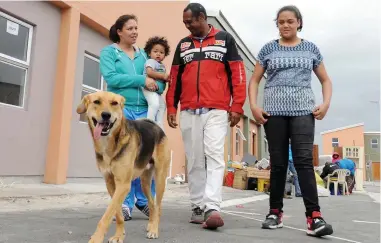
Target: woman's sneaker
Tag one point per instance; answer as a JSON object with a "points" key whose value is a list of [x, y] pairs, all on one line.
{"points": [[126, 213], [273, 220], [143, 209], [316, 226]]}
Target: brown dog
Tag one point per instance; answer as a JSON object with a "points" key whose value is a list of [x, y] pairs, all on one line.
{"points": [[124, 151]]}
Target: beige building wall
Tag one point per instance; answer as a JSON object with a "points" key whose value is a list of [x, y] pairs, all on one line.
{"points": [[348, 136]]}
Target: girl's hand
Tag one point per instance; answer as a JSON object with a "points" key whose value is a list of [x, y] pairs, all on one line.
{"points": [[320, 111], [259, 114]]}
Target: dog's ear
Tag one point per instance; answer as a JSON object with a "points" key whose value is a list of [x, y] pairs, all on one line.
{"points": [[82, 107], [121, 101]]}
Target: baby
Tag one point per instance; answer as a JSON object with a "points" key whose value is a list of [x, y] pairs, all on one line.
{"points": [[157, 48]]}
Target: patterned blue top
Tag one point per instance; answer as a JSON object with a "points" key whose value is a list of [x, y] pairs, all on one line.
{"points": [[288, 89]]}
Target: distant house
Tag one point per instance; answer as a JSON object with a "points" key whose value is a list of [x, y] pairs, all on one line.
{"points": [[350, 138], [372, 152]]}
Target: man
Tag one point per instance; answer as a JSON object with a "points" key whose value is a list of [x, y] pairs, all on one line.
{"points": [[207, 74], [291, 167], [328, 168]]}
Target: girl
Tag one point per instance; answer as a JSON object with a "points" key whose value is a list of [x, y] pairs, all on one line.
{"points": [[122, 66], [289, 112]]}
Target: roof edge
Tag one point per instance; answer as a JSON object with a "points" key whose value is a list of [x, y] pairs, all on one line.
{"points": [[342, 128], [220, 17]]}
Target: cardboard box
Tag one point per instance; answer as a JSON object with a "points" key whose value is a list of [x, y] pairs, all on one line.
{"points": [[256, 173], [240, 179]]}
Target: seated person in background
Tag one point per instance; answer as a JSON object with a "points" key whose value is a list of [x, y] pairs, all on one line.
{"points": [[351, 166], [335, 157], [329, 168]]}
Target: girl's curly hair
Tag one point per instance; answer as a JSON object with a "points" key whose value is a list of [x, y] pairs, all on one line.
{"points": [[157, 40]]}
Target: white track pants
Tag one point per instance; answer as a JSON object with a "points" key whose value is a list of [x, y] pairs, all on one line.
{"points": [[204, 137]]}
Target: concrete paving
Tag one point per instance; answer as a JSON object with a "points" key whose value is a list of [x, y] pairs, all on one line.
{"points": [[73, 218]]}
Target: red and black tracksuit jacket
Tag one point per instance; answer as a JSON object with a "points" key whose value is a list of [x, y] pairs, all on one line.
{"points": [[207, 74]]}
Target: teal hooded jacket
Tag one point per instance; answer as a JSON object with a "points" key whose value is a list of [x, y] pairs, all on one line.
{"points": [[124, 76]]}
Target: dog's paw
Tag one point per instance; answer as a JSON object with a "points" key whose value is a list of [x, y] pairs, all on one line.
{"points": [[116, 239], [152, 235]]}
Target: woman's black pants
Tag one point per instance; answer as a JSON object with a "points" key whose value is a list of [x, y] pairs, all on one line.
{"points": [[301, 131]]}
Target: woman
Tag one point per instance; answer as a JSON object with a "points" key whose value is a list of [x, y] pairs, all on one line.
{"points": [[122, 66], [289, 112]]}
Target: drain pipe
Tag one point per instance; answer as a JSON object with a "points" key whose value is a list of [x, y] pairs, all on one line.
{"points": [[170, 170]]}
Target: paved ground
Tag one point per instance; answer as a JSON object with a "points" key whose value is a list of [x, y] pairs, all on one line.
{"points": [[73, 219]]}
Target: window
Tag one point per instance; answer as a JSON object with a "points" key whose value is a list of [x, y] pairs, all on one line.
{"points": [[348, 152], [374, 143], [335, 142], [238, 136], [92, 78], [15, 48], [355, 152]]}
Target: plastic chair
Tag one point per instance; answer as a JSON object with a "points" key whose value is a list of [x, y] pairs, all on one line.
{"points": [[340, 179]]}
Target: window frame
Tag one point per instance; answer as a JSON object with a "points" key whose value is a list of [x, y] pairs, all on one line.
{"points": [[371, 143], [86, 88], [23, 65], [332, 142], [30, 37]]}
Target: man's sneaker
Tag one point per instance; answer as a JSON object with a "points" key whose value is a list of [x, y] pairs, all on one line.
{"points": [[273, 220], [213, 220], [143, 209], [316, 226], [197, 216]]}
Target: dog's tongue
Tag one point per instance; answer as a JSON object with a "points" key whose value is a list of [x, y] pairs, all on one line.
{"points": [[98, 130]]}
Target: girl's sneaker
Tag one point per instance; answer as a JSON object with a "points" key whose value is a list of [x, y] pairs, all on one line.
{"points": [[316, 226], [274, 220]]}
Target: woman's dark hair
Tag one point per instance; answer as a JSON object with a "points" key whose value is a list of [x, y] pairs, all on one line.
{"points": [[293, 9], [157, 40], [119, 23]]}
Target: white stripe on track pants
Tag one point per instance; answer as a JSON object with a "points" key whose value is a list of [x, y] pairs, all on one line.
{"points": [[204, 138]]}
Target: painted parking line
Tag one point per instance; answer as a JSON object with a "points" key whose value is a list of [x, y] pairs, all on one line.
{"points": [[239, 212], [292, 228], [365, 222], [239, 201]]}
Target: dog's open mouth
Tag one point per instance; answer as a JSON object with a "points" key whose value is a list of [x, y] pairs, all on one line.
{"points": [[102, 128]]}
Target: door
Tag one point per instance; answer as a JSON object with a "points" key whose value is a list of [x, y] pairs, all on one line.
{"points": [[376, 171]]}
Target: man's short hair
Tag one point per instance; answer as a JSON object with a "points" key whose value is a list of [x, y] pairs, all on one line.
{"points": [[196, 9]]}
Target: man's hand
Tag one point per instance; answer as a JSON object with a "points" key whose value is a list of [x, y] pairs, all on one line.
{"points": [[234, 118], [172, 120]]}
